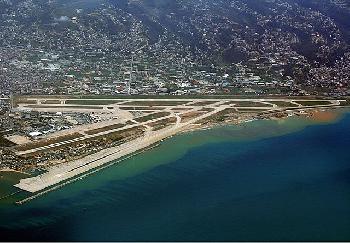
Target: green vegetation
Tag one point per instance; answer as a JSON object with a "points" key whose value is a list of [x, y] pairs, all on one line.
{"points": [[313, 103], [250, 110], [284, 104], [119, 135], [104, 129], [162, 123], [207, 109], [248, 104], [219, 117], [51, 102], [203, 103], [190, 115], [152, 116]]}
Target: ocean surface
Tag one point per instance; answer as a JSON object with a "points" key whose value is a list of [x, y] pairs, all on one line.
{"points": [[262, 181]]}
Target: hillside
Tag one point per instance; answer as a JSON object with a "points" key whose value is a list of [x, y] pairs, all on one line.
{"points": [[304, 38]]}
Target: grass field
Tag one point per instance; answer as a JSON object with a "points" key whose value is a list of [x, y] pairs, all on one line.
{"points": [[162, 123], [130, 132], [313, 103], [247, 104], [207, 109], [105, 129], [190, 115], [219, 117], [283, 104], [250, 110], [203, 103], [152, 116], [51, 102]]}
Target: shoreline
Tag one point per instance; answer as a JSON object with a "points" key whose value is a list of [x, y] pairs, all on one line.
{"points": [[309, 115], [63, 174], [15, 171]]}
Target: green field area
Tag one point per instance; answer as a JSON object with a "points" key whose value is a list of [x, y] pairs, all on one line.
{"points": [[126, 133], [91, 102], [220, 116], [313, 103], [51, 102], [191, 115], [283, 104], [104, 129], [248, 104], [203, 103], [152, 116], [162, 123], [207, 109], [244, 110]]}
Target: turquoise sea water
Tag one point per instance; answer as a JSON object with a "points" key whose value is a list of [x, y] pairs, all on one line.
{"points": [[264, 181]]}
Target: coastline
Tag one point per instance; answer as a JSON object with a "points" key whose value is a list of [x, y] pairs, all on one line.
{"points": [[15, 171], [332, 115], [62, 174]]}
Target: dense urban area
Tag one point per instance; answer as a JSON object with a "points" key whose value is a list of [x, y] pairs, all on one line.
{"points": [[169, 47]]}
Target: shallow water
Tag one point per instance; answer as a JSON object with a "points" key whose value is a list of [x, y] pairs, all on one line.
{"points": [[266, 180]]}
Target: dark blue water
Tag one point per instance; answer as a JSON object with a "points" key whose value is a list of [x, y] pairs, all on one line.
{"points": [[294, 187]]}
